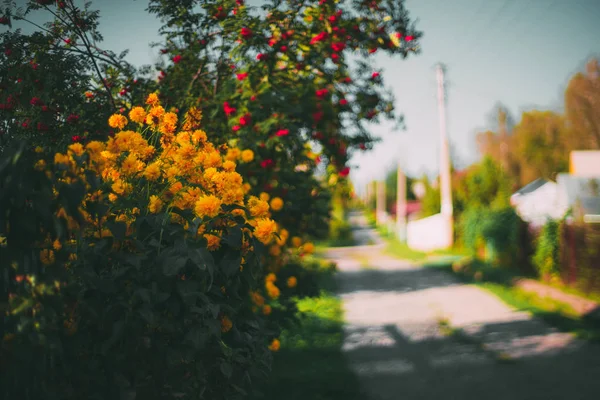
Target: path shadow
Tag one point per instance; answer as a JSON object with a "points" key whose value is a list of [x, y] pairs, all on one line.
{"points": [[398, 366], [405, 280]]}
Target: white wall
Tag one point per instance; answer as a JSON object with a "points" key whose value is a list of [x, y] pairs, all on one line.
{"points": [[429, 233], [536, 207], [585, 163]]}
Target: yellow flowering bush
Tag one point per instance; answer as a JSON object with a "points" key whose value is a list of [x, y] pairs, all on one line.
{"points": [[156, 252]]}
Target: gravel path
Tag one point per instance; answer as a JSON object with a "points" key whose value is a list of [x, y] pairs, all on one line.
{"points": [[398, 348]]}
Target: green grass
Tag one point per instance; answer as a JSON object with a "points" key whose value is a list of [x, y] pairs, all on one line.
{"points": [[499, 281], [310, 364], [396, 248]]}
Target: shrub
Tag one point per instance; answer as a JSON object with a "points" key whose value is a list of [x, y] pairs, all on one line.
{"points": [[547, 250], [501, 231], [139, 281]]}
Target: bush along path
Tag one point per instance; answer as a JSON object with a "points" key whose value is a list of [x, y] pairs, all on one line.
{"points": [[414, 332], [158, 256]]}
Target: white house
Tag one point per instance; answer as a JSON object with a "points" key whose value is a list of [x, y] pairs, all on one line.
{"points": [[542, 199], [538, 201]]}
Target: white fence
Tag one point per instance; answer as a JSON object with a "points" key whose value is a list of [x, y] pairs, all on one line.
{"points": [[431, 233]]}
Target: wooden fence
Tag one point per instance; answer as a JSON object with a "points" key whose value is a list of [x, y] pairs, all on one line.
{"points": [[580, 256]]}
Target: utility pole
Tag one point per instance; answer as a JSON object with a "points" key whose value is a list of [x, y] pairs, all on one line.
{"points": [[380, 201], [445, 174], [401, 205]]}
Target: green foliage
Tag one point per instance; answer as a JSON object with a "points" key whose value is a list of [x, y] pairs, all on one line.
{"points": [[44, 75], [501, 231], [311, 359], [391, 188], [431, 202], [134, 309], [137, 307], [547, 251]]}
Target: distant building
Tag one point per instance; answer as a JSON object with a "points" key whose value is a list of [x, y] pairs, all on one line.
{"points": [[537, 202], [412, 208], [542, 199], [581, 193], [585, 163]]}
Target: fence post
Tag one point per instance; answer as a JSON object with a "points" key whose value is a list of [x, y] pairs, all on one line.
{"points": [[573, 258]]}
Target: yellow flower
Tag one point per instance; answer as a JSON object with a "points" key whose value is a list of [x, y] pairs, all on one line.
{"points": [[152, 171], [226, 324], [257, 298], [131, 166], [77, 149], [117, 121], [112, 197], [292, 282], [275, 345], [266, 309], [157, 111], [118, 187], [265, 196], [265, 229], [232, 154], [283, 236], [152, 99], [137, 114], [296, 241], [38, 149], [192, 119], [276, 203], [271, 277], [229, 166], [207, 206], [247, 155], [308, 247], [214, 242], [258, 208], [47, 257], [275, 251], [40, 165], [57, 245], [272, 290], [61, 159], [155, 204]]}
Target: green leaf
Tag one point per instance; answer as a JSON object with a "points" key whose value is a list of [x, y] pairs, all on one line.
{"points": [[144, 294], [226, 369], [118, 229], [201, 258], [197, 337], [172, 263], [234, 237], [117, 331], [147, 314], [230, 264]]}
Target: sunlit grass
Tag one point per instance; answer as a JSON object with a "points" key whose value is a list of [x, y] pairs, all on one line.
{"points": [[310, 364], [500, 281]]}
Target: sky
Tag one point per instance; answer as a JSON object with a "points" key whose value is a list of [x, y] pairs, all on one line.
{"points": [[517, 52]]}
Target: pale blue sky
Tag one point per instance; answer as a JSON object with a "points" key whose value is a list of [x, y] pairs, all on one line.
{"points": [[518, 52]]}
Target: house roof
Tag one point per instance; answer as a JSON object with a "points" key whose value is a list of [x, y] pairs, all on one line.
{"points": [[531, 187]]}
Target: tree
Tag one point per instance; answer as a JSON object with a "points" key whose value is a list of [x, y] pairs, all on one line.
{"points": [[483, 185], [539, 146], [56, 85], [582, 102]]}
